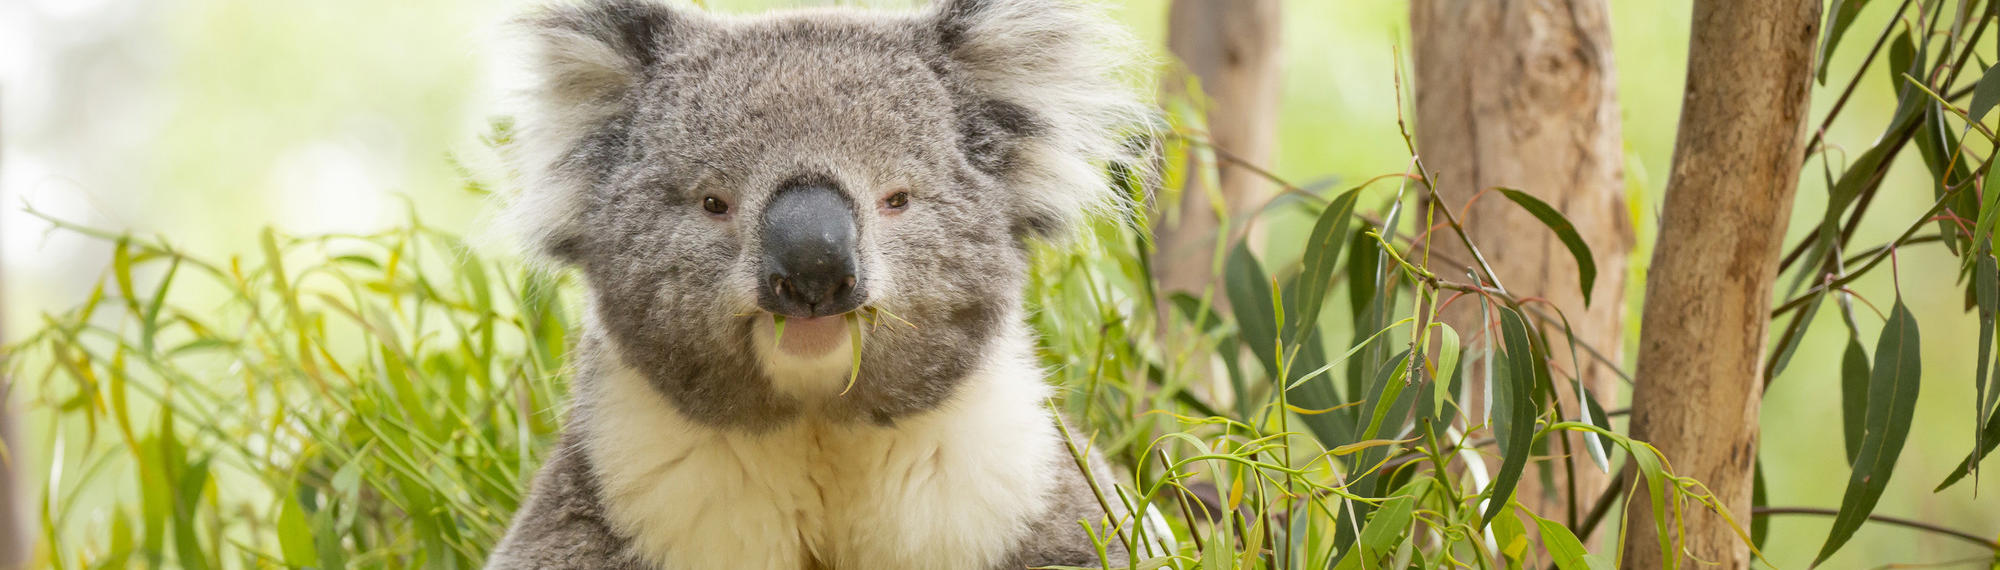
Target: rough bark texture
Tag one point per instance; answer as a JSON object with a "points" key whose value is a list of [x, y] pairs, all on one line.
{"points": [[1708, 291], [1524, 95], [1232, 47]]}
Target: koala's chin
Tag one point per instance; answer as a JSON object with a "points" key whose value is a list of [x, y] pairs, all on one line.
{"points": [[810, 358], [870, 177]]}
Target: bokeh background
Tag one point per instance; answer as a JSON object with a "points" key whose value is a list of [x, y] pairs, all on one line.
{"points": [[204, 120]]}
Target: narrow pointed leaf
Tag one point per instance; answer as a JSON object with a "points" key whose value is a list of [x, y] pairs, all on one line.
{"points": [[1586, 265], [1760, 527], [1249, 290], [1323, 247], [1514, 410], [1985, 94], [1892, 404], [1986, 290], [1853, 397], [1838, 17]]}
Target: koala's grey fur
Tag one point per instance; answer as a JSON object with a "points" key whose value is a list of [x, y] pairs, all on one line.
{"points": [[997, 117]]}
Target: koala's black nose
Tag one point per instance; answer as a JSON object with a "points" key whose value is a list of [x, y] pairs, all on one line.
{"points": [[809, 267]]}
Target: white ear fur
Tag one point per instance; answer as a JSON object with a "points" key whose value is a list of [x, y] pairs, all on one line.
{"points": [[583, 60], [1067, 64]]}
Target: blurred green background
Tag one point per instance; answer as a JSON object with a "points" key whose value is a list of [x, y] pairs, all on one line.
{"points": [[204, 120]]}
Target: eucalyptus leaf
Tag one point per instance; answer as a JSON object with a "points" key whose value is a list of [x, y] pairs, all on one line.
{"points": [[1586, 265], [1892, 404], [1513, 417]]}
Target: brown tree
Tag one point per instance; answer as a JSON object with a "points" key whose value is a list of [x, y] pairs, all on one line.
{"points": [[1524, 95], [1232, 49], [1708, 290]]}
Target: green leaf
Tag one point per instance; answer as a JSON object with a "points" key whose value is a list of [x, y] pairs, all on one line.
{"points": [[1249, 290], [1892, 404], [1991, 435], [1586, 265], [1760, 527], [1989, 210], [1449, 349], [294, 535], [1323, 247], [1984, 95], [1383, 399], [1838, 18], [1986, 292], [1378, 539], [1562, 545], [1511, 536], [1513, 416], [1853, 397], [1937, 144], [1654, 470]]}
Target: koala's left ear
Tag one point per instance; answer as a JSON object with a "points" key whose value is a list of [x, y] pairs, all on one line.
{"points": [[1042, 107]]}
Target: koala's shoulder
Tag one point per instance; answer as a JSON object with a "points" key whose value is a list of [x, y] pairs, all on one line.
{"points": [[562, 523]]}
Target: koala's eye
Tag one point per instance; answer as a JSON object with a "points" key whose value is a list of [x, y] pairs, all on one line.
{"points": [[714, 206], [896, 202]]}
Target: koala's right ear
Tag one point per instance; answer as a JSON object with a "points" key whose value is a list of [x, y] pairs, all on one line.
{"points": [[585, 61]]}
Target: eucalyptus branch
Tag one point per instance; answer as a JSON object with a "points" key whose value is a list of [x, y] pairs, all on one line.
{"points": [[1884, 519], [1884, 253]]}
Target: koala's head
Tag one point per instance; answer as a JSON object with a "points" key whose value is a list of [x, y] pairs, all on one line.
{"points": [[706, 173]]}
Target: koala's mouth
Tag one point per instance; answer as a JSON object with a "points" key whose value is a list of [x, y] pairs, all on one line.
{"points": [[812, 337]]}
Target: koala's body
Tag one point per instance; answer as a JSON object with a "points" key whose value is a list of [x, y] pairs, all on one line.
{"points": [[709, 174]]}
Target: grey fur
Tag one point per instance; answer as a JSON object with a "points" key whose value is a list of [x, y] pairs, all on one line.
{"points": [[995, 115]]}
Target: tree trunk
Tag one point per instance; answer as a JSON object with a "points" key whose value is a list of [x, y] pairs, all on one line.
{"points": [[1232, 47], [1708, 291], [1524, 95]]}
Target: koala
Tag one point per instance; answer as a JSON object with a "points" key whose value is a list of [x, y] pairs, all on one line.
{"points": [[879, 174]]}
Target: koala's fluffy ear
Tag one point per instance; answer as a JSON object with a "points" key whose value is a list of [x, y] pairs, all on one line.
{"points": [[1047, 108], [584, 61]]}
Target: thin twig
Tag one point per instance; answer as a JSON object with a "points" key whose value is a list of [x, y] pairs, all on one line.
{"points": [[1884, 519]]}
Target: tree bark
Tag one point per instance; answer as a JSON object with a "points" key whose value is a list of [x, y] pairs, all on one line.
{"points": [[1524, 95], [1708, 291], [1232, 48]]}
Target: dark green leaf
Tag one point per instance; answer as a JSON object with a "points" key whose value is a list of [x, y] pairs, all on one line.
{"points": [[1249, 290], [1586, 265], [1838, 18], [1378, 539], [1853, 397], [1938, 145], [1513, 416], [1323, 247], [1984, 95], [1986, 289], [1987, 286], [1796, 337], [1760, 527], [1892, 404], [1991, 435]]}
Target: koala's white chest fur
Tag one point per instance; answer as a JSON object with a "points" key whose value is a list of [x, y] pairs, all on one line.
{"points": [[949, 488]]}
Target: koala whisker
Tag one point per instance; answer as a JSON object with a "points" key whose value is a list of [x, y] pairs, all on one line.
{"points": [[874, 311]]}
